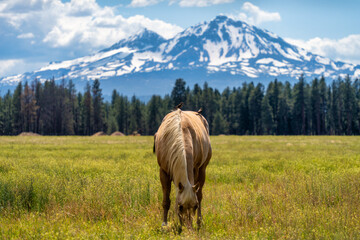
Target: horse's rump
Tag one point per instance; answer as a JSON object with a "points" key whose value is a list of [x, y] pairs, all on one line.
{"points": [[181, 133]]}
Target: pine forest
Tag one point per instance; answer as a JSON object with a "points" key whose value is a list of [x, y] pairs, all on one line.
{"points": [[280, 108]]}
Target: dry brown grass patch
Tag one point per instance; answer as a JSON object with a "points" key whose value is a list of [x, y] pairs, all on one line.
{"points": [[99, 134], [117, 133], [29, 134]]}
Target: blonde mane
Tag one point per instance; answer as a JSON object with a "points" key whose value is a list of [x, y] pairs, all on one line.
{"points": [[171, 135]]}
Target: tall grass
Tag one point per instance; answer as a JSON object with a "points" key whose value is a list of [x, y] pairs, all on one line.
{"points": [[108, 188]]}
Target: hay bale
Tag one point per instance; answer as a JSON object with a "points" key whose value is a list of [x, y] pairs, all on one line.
{"points": [[135, 133], [99, 134], [29, 134], [117, 133]]}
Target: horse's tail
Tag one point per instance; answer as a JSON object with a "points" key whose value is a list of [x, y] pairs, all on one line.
{"points": [[172, 134]]}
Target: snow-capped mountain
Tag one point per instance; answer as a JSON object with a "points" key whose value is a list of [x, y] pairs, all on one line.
{"points": [[223, 52]]}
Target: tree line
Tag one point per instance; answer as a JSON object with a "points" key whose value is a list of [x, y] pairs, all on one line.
{"points": [[314, 108]]}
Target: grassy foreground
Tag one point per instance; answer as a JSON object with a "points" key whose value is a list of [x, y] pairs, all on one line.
{"points": [[108, 188]]}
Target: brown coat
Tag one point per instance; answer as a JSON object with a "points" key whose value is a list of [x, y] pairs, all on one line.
{"points": [[183, 149]]}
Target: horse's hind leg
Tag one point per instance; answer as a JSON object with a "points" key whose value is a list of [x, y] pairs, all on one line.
{"points": [[201, 181], [166, 187]]}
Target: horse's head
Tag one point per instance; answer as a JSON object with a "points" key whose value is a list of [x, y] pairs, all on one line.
{"points": [[187, 203]]}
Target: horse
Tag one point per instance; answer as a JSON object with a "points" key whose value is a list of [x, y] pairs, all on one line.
{"points": [[183, 150]]}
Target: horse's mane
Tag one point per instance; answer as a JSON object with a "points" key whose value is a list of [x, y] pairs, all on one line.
{"points": [[172, 146]]}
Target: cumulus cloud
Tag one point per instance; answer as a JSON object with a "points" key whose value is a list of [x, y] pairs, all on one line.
{"points": [[7, 65], [346, 49], [254, 15], [199, 3], [143, 3], [53, 30], [14, 66], [26, 36], [181, 3], [79, 22]]}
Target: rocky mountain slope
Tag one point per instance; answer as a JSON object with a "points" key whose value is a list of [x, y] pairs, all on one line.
{"points": [[223, 52]]}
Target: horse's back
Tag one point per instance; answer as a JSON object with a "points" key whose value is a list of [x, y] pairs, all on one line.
{"points": [[196, 137]]}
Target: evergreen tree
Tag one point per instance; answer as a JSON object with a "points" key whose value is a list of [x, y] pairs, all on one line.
{"points": [[178, 94], [323, 105], [255, 102], [218, 125], [197, 94], [97, 106], [122, 114], [7, 107], [78, 116], [208, 103], [225, 108], [114, 97], [245, 115], [273, 93], [112, 124], [38, 94], [47, 108], [329, 116], [72, 108], [28, 108], [299, 110], [236, 103], [315, 108], [136, 116], [88, 111], [266, 116], [349, 105], [17, 119], [284, 113], [66, 117], [154, 117], [215, 107], [336, 107]]}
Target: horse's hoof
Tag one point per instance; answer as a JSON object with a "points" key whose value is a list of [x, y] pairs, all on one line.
{"points": [[164, 224]]}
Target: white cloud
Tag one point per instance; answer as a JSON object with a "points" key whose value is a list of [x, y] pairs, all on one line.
{"points": [[143, 3], [7, 65], [26, 36], [346, 49], [254, 15], [78, 23], [13, 66], [167, 30], [181, 3], [199, 3]]}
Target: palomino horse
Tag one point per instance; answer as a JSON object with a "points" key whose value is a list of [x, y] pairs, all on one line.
{"points": [[183, 150]]}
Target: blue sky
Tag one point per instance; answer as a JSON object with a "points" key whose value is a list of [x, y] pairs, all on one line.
{"points": [[33, 33]]}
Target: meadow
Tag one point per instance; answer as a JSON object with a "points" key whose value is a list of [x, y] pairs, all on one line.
{"points": [[257, 187]]}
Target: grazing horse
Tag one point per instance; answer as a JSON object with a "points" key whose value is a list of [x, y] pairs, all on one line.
{"points": [[183, 150]]}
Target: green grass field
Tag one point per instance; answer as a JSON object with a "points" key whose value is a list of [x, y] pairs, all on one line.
{"points": [[108, 188]]}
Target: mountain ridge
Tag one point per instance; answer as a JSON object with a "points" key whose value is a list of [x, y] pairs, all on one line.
{"points": [[224, 52]]}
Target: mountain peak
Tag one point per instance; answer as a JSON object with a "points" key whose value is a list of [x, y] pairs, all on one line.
{"points": [[142, 40], [145, 34], [221, 18], [230, 21]]}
